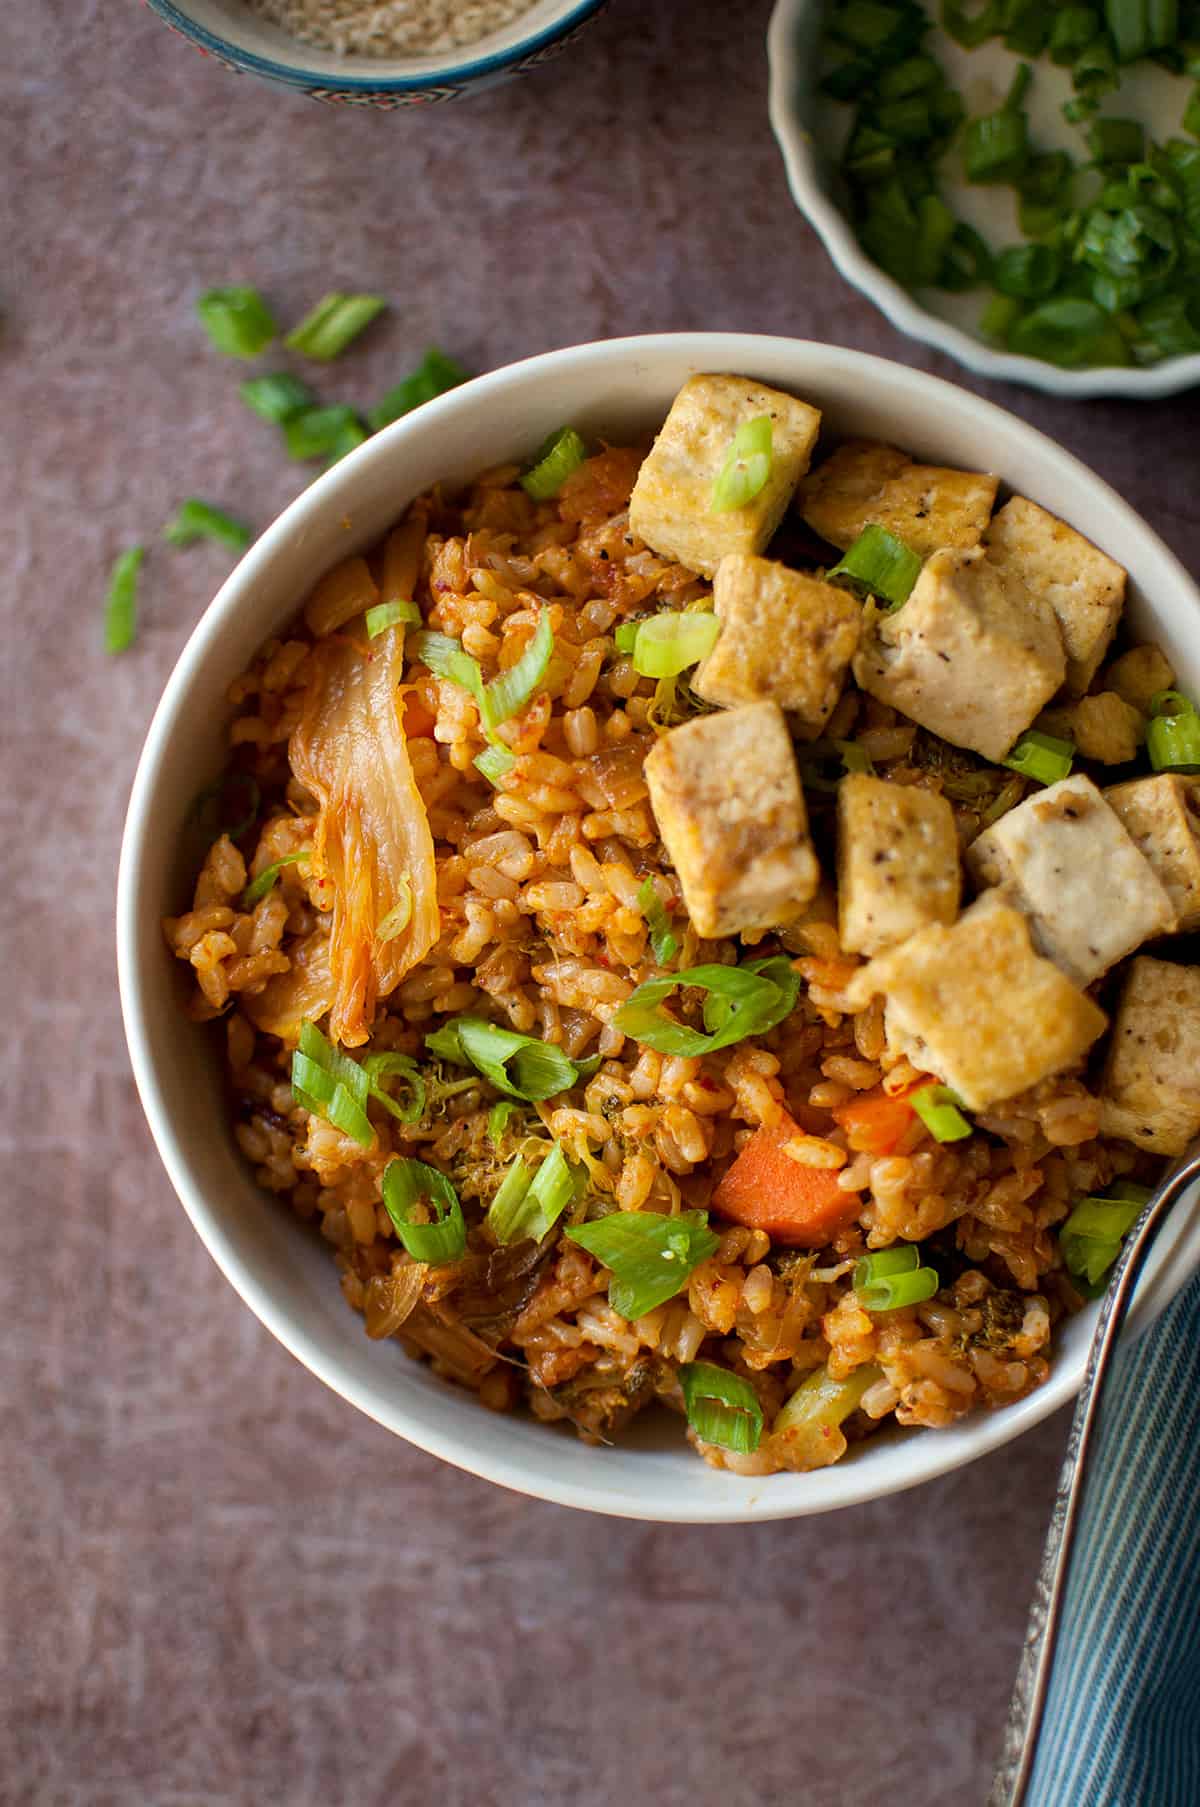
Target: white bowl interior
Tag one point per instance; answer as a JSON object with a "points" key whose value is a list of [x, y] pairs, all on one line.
{"points": [[811, 131], [233, 22], [286, 1275]]}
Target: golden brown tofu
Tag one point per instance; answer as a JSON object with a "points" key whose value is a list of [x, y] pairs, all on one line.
{"points": [[864, 483], [898, 865], [975, 1005], [1139, 675], [1150, 1093], [671, 505], [785, 638], [1084, 587], [972, 655], [1162, 817], [727, 799], [1063, 858], [1106, 728]]}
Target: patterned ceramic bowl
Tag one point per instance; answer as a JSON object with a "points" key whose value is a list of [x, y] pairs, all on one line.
{"points": [[228, 31]]}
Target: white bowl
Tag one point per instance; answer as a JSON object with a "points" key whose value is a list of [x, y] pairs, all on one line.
{"points": [[810, 131], [284, 1273]]}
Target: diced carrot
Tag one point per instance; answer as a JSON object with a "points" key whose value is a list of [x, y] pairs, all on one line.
{"points": [[874, 1122], [766, 1189]]}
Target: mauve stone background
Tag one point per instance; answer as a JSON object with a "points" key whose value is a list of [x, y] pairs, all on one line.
{"points": [[218, 1584]]}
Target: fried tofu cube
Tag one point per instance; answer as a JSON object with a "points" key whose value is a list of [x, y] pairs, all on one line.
{"points": [[926, 506], [1107, 729], [1161, 816], [671, 505], [785, 638], [972, 655], [727, 799], [1084, 587], [1064, 858], [898, 865], [975, 1005], [1139, 675], [1150, 1092]]}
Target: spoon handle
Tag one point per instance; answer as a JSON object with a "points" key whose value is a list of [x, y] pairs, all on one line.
{"points": [[1033, 1671]]}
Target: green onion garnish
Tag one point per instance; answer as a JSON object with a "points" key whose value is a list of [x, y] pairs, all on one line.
{"points": [[821, 1403], [939, 1110], [1091, 1237], [878, 564], [391, 614], [258, 887], [1041, 756], [529, 1204], [884, 1264], [669, 643], [277, 396], [971, 28], [398, 917], [625, 638], [893, 1277], [406, 1183], [664, 944], [329, 327], [744, 1000], [747, 466], [120, 605], [722, 1408], [497, 1121], [331, 1085], [196, 520], [508, 694], [494, 762], [996, 146], [433, 376], [553, 462], [348, 439], [1027, 272], [1117, 141], [381, 1067], [520, 1065], [322, 432], [1069, 331], [650, 1258], [1173, 733], [237, 320], [446, 659]]}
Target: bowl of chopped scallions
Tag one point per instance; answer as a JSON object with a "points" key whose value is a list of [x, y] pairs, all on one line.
{"points": [[1015, 182]]}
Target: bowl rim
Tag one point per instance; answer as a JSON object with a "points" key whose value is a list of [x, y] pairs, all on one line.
{"points": [[929, 1456], [446, 73], [787, 81]]}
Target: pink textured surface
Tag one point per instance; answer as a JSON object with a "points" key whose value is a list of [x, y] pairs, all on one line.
{"points": [[217, 1584]]}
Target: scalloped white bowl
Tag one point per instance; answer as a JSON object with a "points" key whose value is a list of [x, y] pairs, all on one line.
{"points": [[806, 127], [284, 1273]]}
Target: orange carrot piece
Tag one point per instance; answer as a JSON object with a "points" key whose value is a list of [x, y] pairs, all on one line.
{"points": [[874, 1122], [766, 1189]]}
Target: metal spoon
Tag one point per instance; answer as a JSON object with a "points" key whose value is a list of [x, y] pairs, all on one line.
{"points": [[1033, 1672]]}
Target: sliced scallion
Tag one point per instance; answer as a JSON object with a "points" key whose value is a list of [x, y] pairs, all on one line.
{"points": [[435, 374], [722, 1408], [322, 432], [508, 694], [553, 462], [277, 396], [1091, 1237], [885, 1264], [625, 637], [120, 604], [347, 440], [996, 146], [529, 1204], [495, 763], [497, 1121], [398, 917], [520, 1065], [663, 943], [747, 466], [195, 520], [669, 643], [408, 1183], [391, 614], [889, 1292], [381, 1068], [650, 1258], [1041, 756], [259, 887], [878, 564], [328, 328], [1173, 733], [237, 320], [329, 1084], [751, 1000], [940, 1110]]}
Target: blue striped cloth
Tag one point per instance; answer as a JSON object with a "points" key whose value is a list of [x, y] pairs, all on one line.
{"points": [[1122, 1722]]}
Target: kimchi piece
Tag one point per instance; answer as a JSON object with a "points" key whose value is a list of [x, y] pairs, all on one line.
{"points": [[372, 841]]}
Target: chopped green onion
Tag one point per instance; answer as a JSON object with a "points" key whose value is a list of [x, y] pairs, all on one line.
{"points": [[754, 998], [520, 1065], [722, 1408], [329, 1084], [553, 462], [237, 320], [1191, 113], [497, 1121], [1117, 141], [878, 564], [398, 917], [505, 1215], [329, 327], [747, 467], [1173, 733], [435, 374], [529, 1204], [885, 1264], [663, 943], [406, 1182], [971, 29], [669, 643], [320, 432], [258, 887], [821, 1403], [996, 146], [999, 317], [391, 614], [446, 659], [1091, 1237], [1041, 756], [120, 605], [1068, 331], [277, 396], [196, 520], [650, 1258], [379, 1067], [1173, 323], [495, 763], [508, 694], [891, 1291], [625, 638], [347, 440], [938, 1108], [1027, 272], [1072, 30]]}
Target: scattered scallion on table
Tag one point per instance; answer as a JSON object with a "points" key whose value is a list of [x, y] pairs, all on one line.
{"points": [[195, 520], [322, 432], [237, 320], [333, 324], [120, 605], [277, 397], [435, 374]]}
